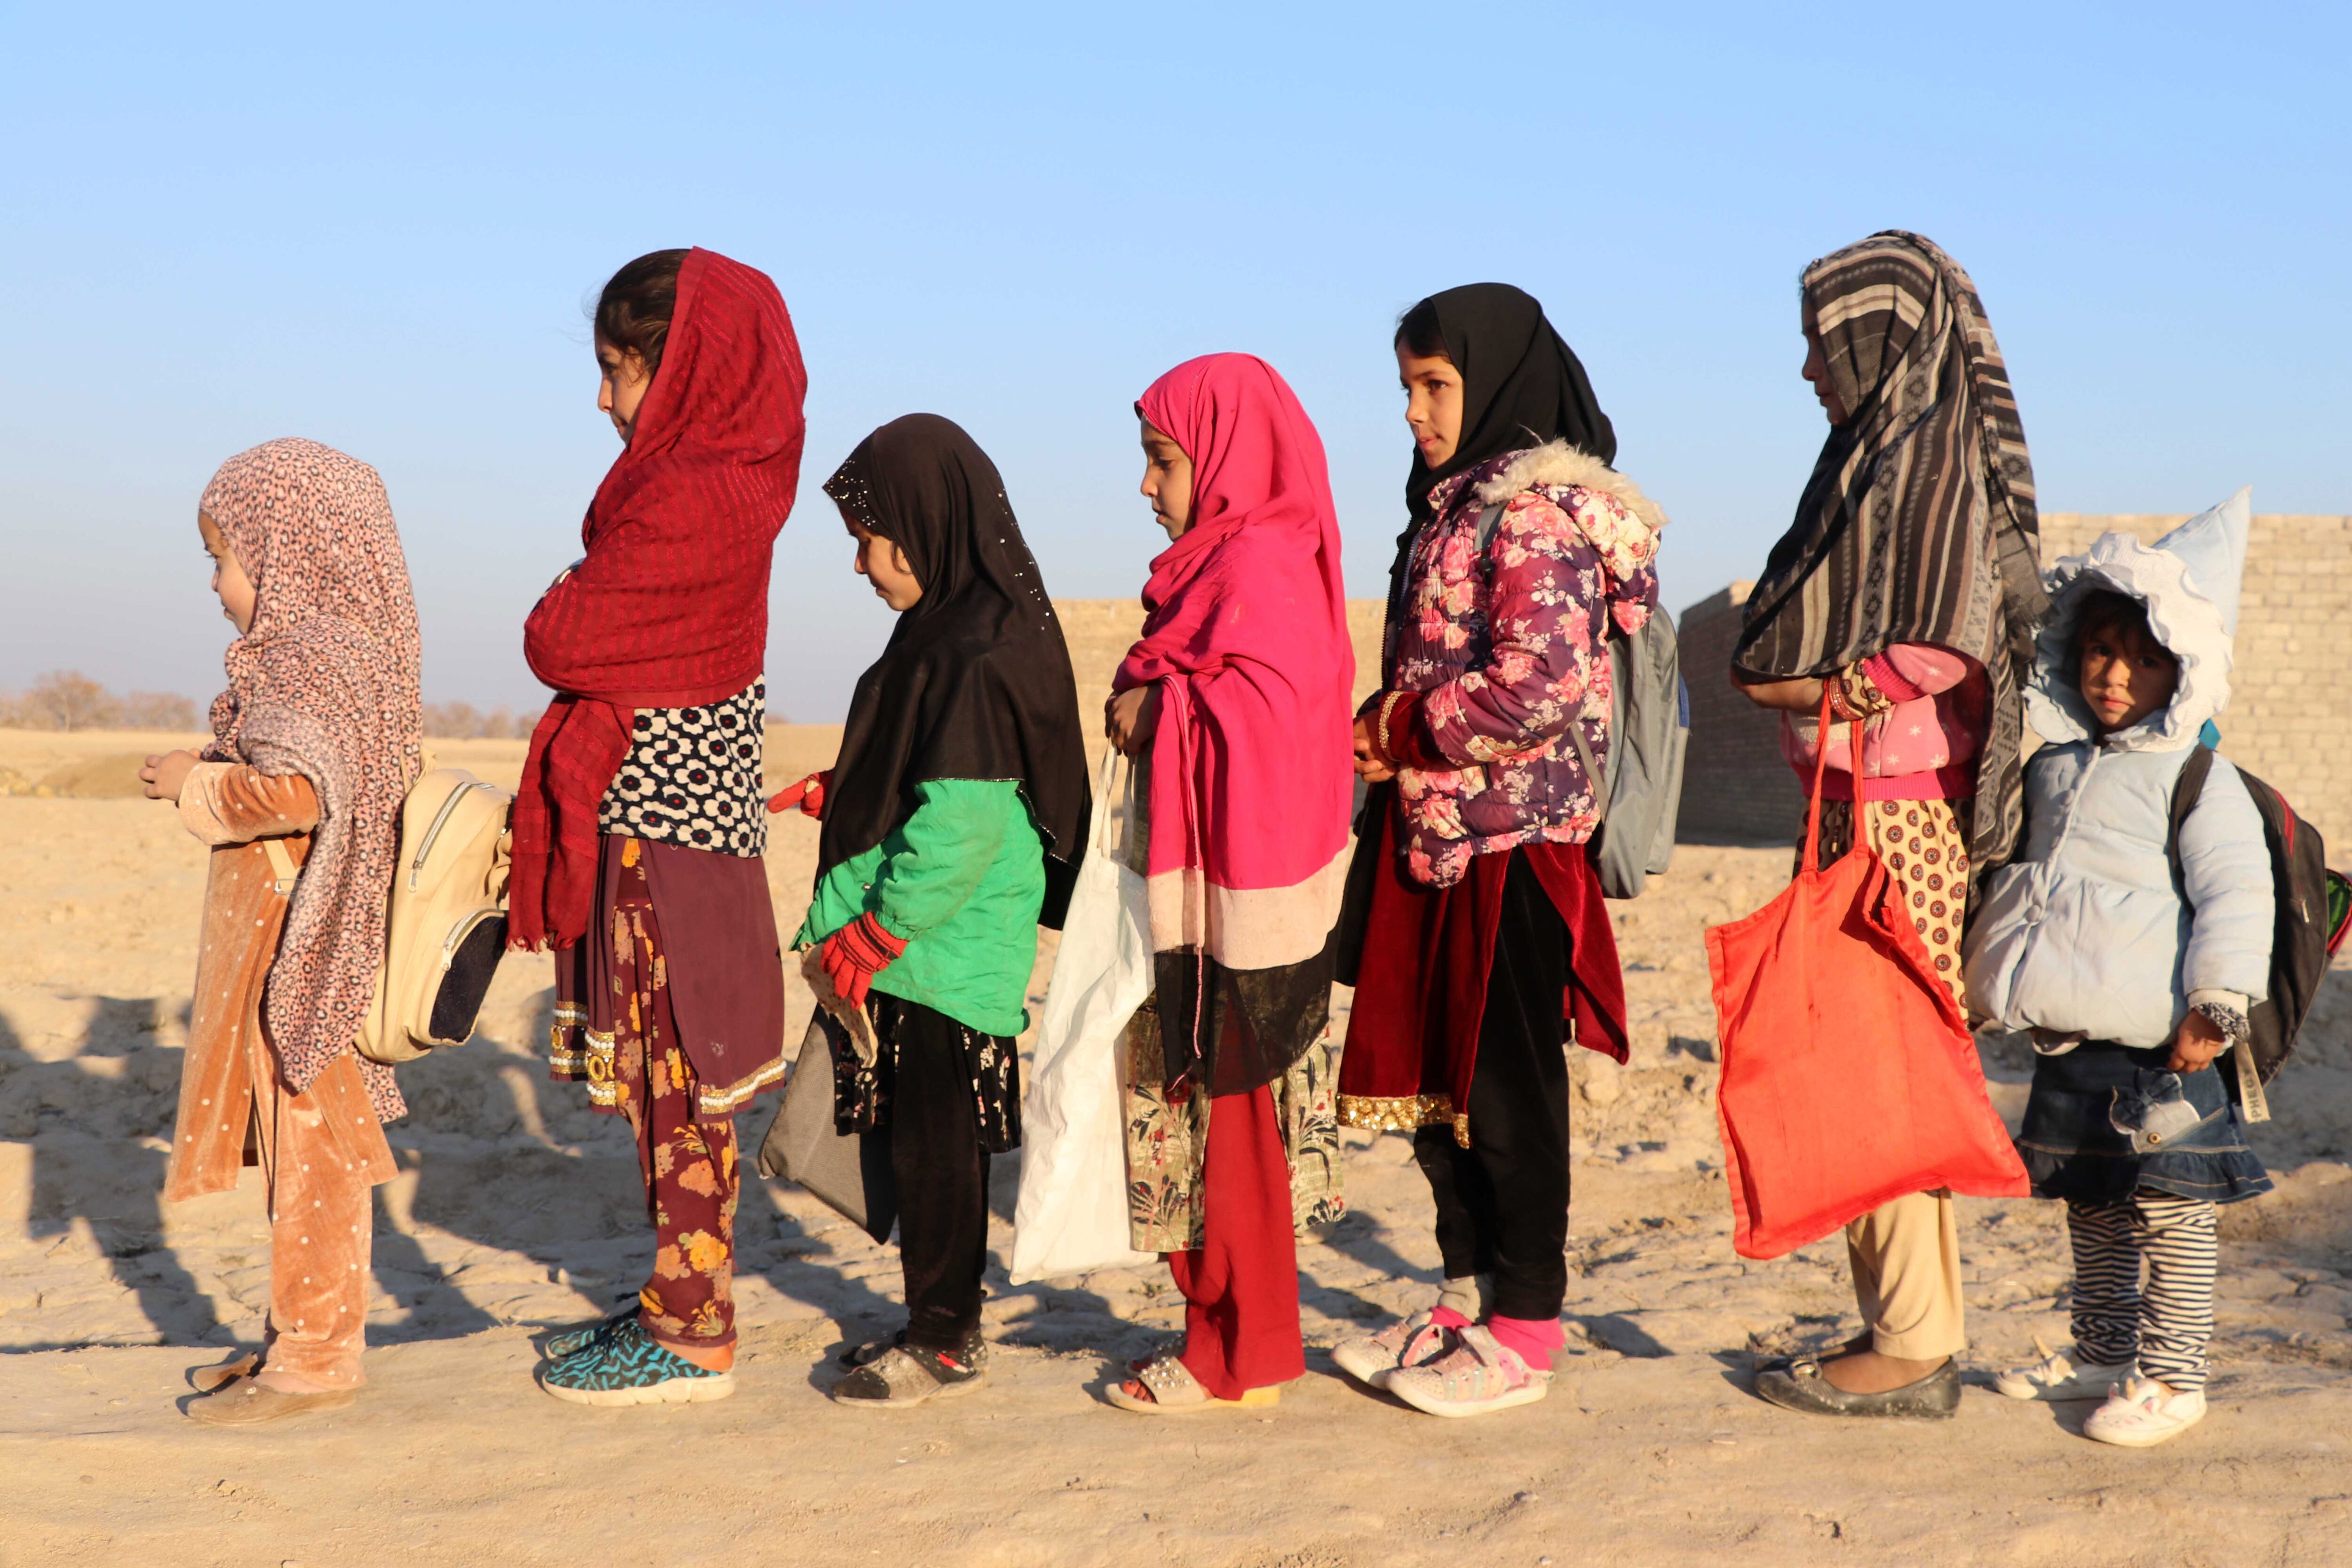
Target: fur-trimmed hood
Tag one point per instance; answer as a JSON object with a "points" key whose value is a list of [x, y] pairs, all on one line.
{"points": [[2189, 581], [1558, 464]]}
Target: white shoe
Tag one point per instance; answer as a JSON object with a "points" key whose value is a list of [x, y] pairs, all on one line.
{"points": [[2141, 1412], [2055, 1376], [1478, 1376], [1370, 1358]]}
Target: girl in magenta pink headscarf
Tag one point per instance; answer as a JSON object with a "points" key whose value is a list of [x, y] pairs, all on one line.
{"points": [[1236, 704]]}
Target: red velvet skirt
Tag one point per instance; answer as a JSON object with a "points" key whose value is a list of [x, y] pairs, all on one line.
{"points": [[1421, 977]]}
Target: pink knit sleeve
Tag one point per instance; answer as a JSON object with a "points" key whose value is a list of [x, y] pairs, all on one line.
{"points": [[1910, 670]]}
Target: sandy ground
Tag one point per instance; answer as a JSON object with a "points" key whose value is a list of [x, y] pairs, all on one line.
{"points": [[517, 1209]]}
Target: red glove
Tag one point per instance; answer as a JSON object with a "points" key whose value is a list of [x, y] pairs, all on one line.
{"points": [[808, 794], [852, 956]]}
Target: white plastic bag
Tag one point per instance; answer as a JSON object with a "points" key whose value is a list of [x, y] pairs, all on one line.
{"points": [[1071, 1214]]}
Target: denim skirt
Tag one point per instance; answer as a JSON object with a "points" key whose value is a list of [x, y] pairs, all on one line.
{"points": [[2105, 1120]]}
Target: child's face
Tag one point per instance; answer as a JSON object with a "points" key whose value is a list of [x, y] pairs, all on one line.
{"points": [[1817, 371], [1433, 403], [623, 388], [229, 580], [1166, 482], [885, 565], [2124, 679]]}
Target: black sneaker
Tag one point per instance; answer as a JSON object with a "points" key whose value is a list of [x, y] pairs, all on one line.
{"points": [[908, 1374]]}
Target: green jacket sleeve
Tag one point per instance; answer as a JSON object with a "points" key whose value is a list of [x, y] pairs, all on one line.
{"points": [[944, 851]]}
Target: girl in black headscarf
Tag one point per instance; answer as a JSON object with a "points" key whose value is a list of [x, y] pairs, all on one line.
{"points": [[953, 822], [1478, 934]]}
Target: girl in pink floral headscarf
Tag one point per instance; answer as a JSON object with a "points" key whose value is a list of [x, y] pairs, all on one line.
{"points": [[315, 743]]}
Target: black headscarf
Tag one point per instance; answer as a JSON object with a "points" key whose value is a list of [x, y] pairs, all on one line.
{"points": [[976, 682], [1522, 385]]}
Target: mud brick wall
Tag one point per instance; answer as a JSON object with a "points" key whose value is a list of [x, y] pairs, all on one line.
{"points": [[1736, 788], [1100, 631], [2290, 715], [2289, 718]]}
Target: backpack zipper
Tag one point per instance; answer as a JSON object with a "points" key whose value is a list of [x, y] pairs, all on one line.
{"points": [[424, 845], [460, 932]]}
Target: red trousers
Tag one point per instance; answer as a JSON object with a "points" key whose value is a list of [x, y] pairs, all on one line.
{"points": [[1241, 1288]]}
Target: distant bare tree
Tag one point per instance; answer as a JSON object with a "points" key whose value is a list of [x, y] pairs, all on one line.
{"points": [[158, 711], [68, 699], [452, 720], [464, 722]]}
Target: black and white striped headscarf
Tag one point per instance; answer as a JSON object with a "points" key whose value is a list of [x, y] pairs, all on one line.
{"points": [[1918, 524]]}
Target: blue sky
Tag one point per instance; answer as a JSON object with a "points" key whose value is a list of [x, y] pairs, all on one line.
{"points": [[235, 223]]}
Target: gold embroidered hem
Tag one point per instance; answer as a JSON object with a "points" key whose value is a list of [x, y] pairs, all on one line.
{"points": [[588, 1062], [721, 1101], [1402, 1113], [564, 1059]]}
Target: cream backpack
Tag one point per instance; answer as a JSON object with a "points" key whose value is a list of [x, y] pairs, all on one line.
{"points": [[445, 925]]}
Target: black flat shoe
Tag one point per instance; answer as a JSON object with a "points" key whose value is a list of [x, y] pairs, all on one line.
{"points": [[1854, 1346], [1800, 1385]]}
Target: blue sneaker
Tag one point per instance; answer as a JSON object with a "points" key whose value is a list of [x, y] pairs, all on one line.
{"points": [[571, 1342], [629, 1367]]}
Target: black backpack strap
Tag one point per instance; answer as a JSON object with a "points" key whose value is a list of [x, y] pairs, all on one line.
{"points": [[2186, 790]]}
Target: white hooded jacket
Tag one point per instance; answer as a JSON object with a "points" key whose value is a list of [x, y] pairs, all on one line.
{"points": [[2086, 934]]}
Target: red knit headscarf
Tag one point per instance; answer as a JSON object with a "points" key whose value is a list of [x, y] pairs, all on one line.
{"points": [[670, 607]]}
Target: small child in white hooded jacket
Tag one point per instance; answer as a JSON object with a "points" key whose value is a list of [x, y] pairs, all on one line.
{"points": [[2132, 984]]}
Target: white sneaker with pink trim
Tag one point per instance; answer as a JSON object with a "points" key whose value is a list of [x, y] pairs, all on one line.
{"points": [[1480, 1374], [2142, 1413]]}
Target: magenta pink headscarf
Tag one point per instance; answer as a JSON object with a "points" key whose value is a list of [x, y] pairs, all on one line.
{"points": [[1245, 629]]}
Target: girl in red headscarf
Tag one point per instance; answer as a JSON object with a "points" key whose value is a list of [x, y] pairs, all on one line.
{"points": [[640, 824], [1235, 705]]}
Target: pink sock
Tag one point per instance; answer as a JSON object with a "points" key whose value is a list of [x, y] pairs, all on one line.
{"points": [[1447, 1318], [1534, 1340]]}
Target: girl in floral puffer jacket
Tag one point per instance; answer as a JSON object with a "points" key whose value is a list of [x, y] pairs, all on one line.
{"points": [[1502, 653], [1475, 931]]}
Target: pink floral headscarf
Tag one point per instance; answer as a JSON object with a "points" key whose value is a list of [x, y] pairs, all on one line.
{"points": [[325, 685]]}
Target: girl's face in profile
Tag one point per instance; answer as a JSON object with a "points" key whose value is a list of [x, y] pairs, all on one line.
{"points": [[229, 580], [1167, 481], [2125, 677], [1433, 403], [885, 565], [623, 388], [1817, 371]]}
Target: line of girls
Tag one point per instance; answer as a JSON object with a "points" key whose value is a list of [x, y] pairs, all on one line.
{"points": [[1459, 901]]}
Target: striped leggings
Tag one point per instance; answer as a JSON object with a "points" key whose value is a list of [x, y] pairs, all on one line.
{"points": [[2164, 1327]]}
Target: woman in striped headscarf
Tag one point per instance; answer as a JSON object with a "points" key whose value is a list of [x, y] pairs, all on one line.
{"points": [[1908, 590]]}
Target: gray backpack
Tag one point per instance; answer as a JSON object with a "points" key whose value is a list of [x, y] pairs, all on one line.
{"points": [[1650, 730]]}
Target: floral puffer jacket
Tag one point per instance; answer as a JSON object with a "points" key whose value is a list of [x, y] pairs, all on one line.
{"points": [[1507, 648]]}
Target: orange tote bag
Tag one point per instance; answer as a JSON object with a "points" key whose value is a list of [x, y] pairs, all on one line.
{"points": [[1849, 1074]]}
